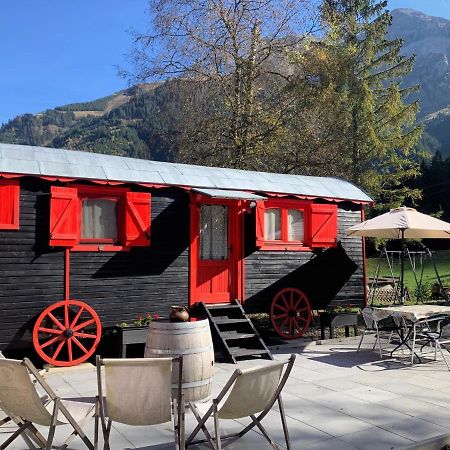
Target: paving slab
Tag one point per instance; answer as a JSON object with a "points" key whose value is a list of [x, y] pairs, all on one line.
{"points": [[336, 398]]}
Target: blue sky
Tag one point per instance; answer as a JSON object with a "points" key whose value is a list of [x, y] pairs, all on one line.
{"points": [[56, 52]]}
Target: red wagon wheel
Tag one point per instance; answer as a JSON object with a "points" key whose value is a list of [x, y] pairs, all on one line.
{"points": [[67, 333], [290, 313]]}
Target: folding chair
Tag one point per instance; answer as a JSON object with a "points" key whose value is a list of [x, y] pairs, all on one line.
{"points": [[20, 399], [378, 327], [251, 391], [138, 392]]}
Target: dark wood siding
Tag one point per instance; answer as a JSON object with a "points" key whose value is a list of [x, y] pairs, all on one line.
{"points": [[265, 271], [118, 285]]}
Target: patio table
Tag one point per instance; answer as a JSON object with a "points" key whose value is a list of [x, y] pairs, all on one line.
{"points": [[412, 316]]}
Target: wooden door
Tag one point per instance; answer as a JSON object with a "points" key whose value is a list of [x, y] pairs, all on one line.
{"points": [[215, 248]]}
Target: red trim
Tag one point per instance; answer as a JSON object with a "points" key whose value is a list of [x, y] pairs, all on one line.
{"points": [[363, 242], [100, 248], [236, 259], [283, 244], [187, 188], [9, 204], [66, 274]]}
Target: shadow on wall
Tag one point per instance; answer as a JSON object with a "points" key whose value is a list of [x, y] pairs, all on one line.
{"points": [[321, 278], [169, 241]]}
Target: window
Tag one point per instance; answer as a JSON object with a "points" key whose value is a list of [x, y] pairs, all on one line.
{"points": [[99, 219], [105, 219], [213, 232], [9, 204], [295, 225]]}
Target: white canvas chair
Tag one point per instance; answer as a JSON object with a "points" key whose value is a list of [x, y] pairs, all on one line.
{"points": [[251, 393], [138, 392], [20, 399], [32, 437], [378, 327]]}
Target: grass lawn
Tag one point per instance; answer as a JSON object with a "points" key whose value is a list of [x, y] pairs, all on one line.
{"points": [[441, 259]]}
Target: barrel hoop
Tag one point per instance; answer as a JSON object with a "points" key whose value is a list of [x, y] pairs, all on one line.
{"points": [[193, 384], [178, 332], [189, 351]]}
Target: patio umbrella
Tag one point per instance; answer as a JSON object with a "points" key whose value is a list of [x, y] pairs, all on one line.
{"points": [[402, 223]]}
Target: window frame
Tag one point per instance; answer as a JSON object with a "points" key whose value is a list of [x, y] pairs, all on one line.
{"points": [[94, 244], [283, 243], [320, 226]]}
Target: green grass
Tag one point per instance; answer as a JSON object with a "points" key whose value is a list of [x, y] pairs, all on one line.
{"points": [[441, 259]]}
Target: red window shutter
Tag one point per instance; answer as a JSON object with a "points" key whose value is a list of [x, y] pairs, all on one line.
{"points": [[64, 216], [137, 219], [9, 204], [259, 211], [323, 225]]}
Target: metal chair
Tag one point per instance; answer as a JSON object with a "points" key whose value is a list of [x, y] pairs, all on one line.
{"points": [[137, 391], [252, 393], [437, 334], [20, 399], [388, 326]]}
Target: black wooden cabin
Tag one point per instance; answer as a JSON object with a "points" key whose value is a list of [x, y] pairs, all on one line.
{"points": [[129, 236]]}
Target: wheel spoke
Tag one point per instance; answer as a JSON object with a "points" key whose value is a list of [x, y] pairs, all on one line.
{"points": [[83, 325], [58, 349], [56, 321], [50, 330], [303, 309], [50, 341], [277, 305], [285, 302], [69, 349], [292, 300], [82, 347], [296, 326], [66, 315], [296, 304], [284, 322], [291, 331], [84, 335], [77, 317]]}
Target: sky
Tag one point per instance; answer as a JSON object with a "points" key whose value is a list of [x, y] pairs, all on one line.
{"points": [[55, 52]]}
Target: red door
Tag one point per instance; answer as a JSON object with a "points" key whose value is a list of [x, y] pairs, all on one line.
{"points": [[215, 249]]}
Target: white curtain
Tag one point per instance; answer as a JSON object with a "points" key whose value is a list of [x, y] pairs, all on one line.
{"points": [[214, 232], [296, 225], [99, 219], [272, 224]]}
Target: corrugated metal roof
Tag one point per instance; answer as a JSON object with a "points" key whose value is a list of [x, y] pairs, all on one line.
{"points": [[233, 195], [28, 160]]}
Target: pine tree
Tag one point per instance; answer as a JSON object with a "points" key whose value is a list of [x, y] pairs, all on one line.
{"points": [[379, 130]]}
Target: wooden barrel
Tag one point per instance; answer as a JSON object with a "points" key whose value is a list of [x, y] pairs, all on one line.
{"points": [[193, 341]]}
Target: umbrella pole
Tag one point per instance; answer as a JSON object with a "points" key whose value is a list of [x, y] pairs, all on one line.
{"points": [[402, 270]]}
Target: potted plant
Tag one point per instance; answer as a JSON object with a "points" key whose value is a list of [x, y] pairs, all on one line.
{"points": [[136, 332]]}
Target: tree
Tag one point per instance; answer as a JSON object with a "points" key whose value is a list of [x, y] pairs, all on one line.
{"points": [[235, 51], [379, 132]]}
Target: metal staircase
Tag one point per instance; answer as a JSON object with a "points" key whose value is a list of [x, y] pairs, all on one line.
{"points": [[234, 333]]}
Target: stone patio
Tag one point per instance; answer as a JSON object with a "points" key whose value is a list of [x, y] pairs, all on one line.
{"points": [[335, 398]]}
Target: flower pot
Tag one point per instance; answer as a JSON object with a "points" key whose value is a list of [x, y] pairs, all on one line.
{"points": [[178, 314]]}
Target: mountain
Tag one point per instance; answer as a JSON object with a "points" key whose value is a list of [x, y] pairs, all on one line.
{"points": [[136, 122], [428, 38], [142, 121]]}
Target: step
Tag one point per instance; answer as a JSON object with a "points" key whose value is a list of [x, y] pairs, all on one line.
{"points": [[222, 306], [226, 320], [236, 335], [238, 351]]}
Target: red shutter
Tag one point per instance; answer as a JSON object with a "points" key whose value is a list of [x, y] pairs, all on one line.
{"points": [[64, 216], [323, 225], [137, 219], [259, 211], [9, 204]]}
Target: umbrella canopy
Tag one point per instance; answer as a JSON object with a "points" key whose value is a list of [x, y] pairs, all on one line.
{"points": [[402, 222]]}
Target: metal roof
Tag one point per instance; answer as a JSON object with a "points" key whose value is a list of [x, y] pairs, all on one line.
{"points": [[226, 194], [42, 161]]}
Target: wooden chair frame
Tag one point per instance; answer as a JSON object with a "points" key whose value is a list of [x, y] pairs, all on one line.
{"points": [[256, 420], [26, 426], [178, 408]]}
